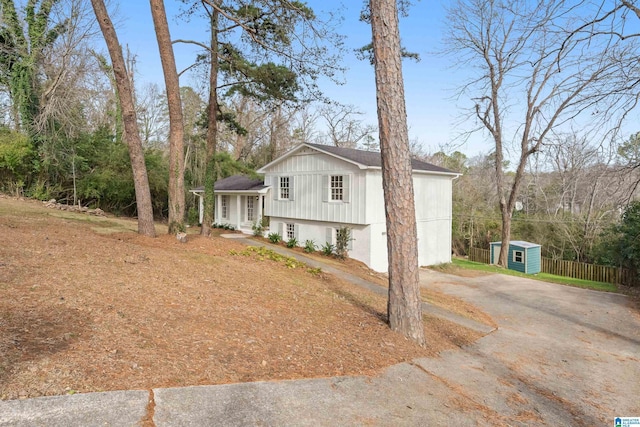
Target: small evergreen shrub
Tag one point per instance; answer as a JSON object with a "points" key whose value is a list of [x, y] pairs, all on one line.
{"points": [[343, 237], [260, 227], [327, 249], [193, 217], [309, 246], [274, 237], [292, 243]]}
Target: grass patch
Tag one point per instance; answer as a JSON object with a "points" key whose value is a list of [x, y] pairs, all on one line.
{"points": [[545, 277]]}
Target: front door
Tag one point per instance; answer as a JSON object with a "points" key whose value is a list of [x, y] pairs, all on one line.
{"points": [[251, 209]]}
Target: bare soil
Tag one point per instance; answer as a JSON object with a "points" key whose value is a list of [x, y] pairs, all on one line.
{"points": [[86, 304]]}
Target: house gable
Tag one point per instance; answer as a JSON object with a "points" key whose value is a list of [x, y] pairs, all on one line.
{"points": [[307, 175], [308, 160]]}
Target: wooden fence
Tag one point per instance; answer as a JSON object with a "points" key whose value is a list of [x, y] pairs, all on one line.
{"points": [[577, 270], [480, 255]]}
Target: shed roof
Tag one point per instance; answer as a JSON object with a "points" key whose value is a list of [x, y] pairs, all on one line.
{"points": [[520, 243], [236, 183]]}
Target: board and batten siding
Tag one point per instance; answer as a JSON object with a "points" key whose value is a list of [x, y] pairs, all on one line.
{"points": [[432, 196], [309, 170], [433, 204]]}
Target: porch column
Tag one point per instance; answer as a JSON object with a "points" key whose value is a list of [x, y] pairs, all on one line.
{"points": [[238, 211], [260, 199], [218, 209], [200, 208]]}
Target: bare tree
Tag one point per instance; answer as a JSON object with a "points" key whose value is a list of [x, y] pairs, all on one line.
{"points": [[531, 80], [344, 129], [305, 120], [67, 66], [131, 134], [151, 110], [404, 306], [176, 125]]}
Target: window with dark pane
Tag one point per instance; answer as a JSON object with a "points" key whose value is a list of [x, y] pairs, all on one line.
{"points": [[284, 187], [337, 187]]}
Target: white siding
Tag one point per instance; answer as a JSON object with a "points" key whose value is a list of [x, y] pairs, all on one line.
{"points": [[309, 170], [319, 233], [374, 197], [433, 200], [378, 248], [433, 197]]}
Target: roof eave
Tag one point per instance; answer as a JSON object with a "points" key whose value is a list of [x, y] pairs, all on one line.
{"points": [[424, 172], [260, 191], [298, 147]]}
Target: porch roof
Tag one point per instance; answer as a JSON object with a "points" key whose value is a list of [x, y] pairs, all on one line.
{"points": [[236, 183]]}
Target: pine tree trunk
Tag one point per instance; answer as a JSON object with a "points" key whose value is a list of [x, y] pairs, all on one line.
{"points": [[131, 135], [176, 125], [212, 131], [404, 304]]}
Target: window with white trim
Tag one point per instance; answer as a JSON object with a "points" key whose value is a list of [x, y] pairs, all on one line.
{"points": [[518, 256], [337, 187], [290, 229], [250, 208], [224, 207], [284, 187]]}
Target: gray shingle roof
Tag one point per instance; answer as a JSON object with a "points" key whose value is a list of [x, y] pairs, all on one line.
{"points": [[236, 183], [373, 158]]}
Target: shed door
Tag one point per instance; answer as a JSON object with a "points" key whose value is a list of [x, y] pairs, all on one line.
{"points": [[496, 254]]}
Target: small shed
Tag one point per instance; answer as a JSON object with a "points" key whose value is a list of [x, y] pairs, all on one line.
{"points": [[524, 257]]}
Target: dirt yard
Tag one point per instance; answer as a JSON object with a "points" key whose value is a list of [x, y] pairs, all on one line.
{"points": [[88, 305]]}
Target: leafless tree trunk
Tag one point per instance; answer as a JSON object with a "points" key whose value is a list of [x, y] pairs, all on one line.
{"points": [[153, 117], [176, 125], [131, 135], [404, 305]]}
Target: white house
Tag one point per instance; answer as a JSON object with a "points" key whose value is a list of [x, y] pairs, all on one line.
{"points": [[313, 190]]}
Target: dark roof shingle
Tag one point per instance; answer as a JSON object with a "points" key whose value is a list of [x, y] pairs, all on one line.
{"points": [[237, 183], [373, 158]]}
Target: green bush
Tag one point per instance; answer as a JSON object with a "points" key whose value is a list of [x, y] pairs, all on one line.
{"points": [[327, 249], [193, 216], [259, 227], [309, 246], [274, 237], [292, 243], [343, 237], [17, 157], [620, 245]]}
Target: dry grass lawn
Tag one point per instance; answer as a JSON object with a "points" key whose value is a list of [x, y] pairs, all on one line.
{"points": [[88, 305]]}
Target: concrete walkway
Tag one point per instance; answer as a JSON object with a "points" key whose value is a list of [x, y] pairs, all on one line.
{"points": [[561, 356]]}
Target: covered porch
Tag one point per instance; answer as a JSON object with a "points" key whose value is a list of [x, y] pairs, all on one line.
{"points": [[239, 202]]}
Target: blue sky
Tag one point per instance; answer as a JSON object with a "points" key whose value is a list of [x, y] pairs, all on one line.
{"points": [[429, 84]]}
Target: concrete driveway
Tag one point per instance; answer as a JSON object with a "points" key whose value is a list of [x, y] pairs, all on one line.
{"points": [[561, 355]]}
